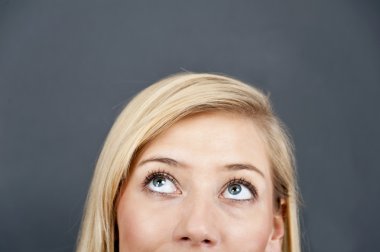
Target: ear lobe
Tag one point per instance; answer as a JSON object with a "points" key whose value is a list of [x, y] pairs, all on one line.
{"points": [[278, 227], [279, 222], [278, 231]]}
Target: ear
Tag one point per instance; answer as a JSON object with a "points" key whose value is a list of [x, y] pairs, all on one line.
{"points": [[278, 230]]}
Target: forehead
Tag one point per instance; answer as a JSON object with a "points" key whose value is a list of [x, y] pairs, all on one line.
{"points": [[212, 138]]}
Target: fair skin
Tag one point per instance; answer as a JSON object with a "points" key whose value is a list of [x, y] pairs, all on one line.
{"points": [[202, 185]]}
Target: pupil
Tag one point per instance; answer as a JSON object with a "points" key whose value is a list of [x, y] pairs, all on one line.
{"points": [[159, 182], [234, 189]]}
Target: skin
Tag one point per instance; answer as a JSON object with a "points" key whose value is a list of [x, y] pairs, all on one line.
{"points": [[196, 211]]}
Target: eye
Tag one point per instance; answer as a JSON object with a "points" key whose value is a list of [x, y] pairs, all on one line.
{"points": [[239, 189], [161, 182]]}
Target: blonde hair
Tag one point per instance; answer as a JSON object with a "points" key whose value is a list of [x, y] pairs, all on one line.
{"points": [[154, 110]]}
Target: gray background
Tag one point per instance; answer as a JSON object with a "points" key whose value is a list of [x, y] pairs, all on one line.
{"points": [[68, 67]]}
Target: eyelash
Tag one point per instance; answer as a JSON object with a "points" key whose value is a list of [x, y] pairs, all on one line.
{"points": [[166, 175], [158, 173], [245, 183]]}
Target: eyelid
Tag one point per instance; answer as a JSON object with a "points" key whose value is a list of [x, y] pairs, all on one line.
{"points": [[164, 174], [153, 174], [243, 182]]}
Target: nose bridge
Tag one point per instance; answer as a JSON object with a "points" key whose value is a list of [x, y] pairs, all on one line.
{"points": [[198, 207], [197, 224]]}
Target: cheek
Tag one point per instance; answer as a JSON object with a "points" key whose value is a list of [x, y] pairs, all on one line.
{"points": [[141, 226], [250, 233], [250, 226]]}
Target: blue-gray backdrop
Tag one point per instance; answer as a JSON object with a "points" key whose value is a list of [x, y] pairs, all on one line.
{"points": [[68, 67]]}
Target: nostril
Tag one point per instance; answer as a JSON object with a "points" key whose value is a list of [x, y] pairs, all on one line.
{"points": [[205, 241]]}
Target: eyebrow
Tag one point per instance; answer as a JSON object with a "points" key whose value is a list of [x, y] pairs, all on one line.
{"points": [[249, 167], [175, 163], [164, 160]]}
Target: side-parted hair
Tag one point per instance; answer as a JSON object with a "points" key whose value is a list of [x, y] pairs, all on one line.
{"points": [[154, 110]]}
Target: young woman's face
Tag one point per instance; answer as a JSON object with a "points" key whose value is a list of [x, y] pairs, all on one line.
{"points": [[202, 185]]}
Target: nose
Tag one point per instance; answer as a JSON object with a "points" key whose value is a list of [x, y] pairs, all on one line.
{"points": [[197, 226]]}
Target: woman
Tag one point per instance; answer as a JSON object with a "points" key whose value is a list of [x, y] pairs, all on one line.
{"points": [[194, 162]]}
